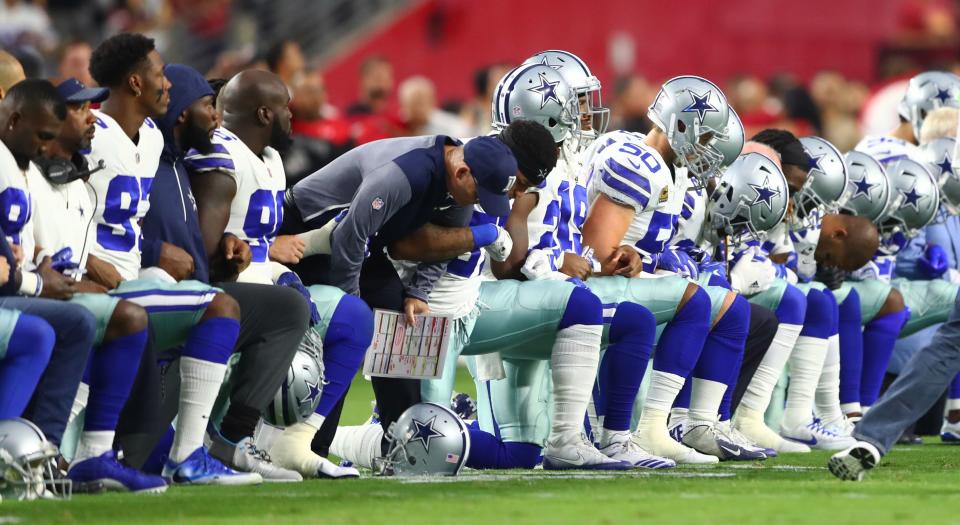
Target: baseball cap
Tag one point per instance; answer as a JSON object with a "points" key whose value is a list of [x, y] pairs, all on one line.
{"points": [[73, 91], [494, 168]]}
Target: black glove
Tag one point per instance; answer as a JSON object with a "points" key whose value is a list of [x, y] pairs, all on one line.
{"points": [[832, 277]]}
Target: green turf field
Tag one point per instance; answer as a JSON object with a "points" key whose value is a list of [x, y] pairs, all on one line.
{"points": [[914, 485]]}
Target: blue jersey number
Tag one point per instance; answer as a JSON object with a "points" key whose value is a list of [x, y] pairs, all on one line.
{"points": [[115, 214], [659, 232], [16, 212], [645, 157], [264, 216]]}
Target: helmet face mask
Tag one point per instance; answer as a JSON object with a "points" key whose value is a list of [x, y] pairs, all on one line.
{"points": [[586, 89], [427, 439], [26, 468], [538, 93], [750, 198]]}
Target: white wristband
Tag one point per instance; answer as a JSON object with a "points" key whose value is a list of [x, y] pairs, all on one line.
{"points": [[31, 284]]}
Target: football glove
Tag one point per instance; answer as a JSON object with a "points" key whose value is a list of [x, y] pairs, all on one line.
{"points": [[934, 262], [753, 273], [502, 245], [678, 262], [831, 277]]}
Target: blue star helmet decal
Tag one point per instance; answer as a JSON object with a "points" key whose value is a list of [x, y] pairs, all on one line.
{"points": [[547, 91], [545, 62], [314, 392], [911, 198], [764, 194], [946, 167], [700, 105], [863, 188], [814, 163], [943, 95], [425, 432]]}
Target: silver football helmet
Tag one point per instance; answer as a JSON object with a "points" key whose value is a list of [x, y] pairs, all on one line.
{"points": [[926, 92], [427, 439], [26, 462], [750, 198], [693, 113], [939, 155], [919, 198], [826, 184], [732, 146], [594, 117], [300, 392], [536, 92], [868, 186]]}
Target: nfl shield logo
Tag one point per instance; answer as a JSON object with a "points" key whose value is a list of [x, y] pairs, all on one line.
{"points": [[517, 112], [377, 203]]}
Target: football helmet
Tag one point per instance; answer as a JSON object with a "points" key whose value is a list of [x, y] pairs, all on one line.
{"points": [[826, 185], [939, 155], [427, 439], [733, 145], [536, 92], [583, 83], [926, 92], [300, 392], [917, 200], [26, 462], [868, 186], [750, 197], [694, 115]]}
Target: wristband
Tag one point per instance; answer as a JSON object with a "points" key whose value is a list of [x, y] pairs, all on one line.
{"points": [[31, 284], [484, 234]]}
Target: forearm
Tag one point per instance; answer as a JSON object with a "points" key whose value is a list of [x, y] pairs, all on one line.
{"points": [[432, 243]]}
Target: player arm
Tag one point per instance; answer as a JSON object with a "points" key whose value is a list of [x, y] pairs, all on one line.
{"points": [[214, 191], [433, 243], [910, 255], [516, 226], [605, 228]]}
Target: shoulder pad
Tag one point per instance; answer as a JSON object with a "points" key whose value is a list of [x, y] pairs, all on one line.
{"points": [[626, 174], [219, 159]]}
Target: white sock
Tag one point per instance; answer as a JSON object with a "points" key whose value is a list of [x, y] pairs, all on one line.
{"points": [[764, 380], [663, 391], [93, 444], [199, 385], [79, 401], [679, 414], [705, 398], [806, 363], [864, 409], [613, 436], [953, 404], [358, 444], [576, 353], [828, 388], [315, 420], [850, 408]]}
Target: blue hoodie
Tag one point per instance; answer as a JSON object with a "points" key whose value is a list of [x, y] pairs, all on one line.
{"points": [[173, 211]]}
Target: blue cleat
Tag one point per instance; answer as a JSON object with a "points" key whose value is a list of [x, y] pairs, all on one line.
{"points": [[107, 471], [203, 469]]}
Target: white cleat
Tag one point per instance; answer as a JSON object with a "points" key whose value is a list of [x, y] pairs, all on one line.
{"points": [[704, 437], [627, 450], [244, 456], [736, 437], [950, 432], [291, 450], [750, 423], [575, 452], [854, 462], [818, 436], [658, 442]]}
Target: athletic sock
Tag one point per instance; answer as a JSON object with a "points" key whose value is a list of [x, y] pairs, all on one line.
{"points": [[851, 353], [953, 395], [344, 346], [632, 333], [28, 352], [680, 346], [879, 338], [358, 444], [488, 452], [112, 370], [722, 350], [806, 362], [726, 404], [827, 398], [202, 368]]}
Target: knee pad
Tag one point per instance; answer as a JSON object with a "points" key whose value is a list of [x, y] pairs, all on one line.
{"points": [[351, 322], [697, 307], [583, 307], [793, 306], [630, 319], [818, 320]]}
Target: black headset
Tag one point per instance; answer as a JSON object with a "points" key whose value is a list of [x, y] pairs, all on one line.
{"points": [[62, 171]]}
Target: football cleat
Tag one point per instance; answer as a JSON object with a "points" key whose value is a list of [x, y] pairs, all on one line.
{"points": [[200, 468], [627, 450], [750, 424], [854, 462], [950, 432], [463, 405], [656, 440], [291, 450], [738, 438], [818, 436], [575, 452], [107, 471], [244, 456], [706, 439], [676, 430]]}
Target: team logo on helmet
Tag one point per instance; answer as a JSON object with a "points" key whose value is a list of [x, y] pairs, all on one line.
{"points": [[942, 94], [764, 193], [814, 163], [545, 62], [911, 198], [547, 91], [946, 167], [863, 188], [425, 432], [700, 105], [314, 392]]}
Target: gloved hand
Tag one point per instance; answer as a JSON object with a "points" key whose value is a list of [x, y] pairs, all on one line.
{"points": [[292, 280], [714, 267], [63, 260], [500, 248], [678, 262], [868, 271], [753, 273], [934, 262], [832, 277]]}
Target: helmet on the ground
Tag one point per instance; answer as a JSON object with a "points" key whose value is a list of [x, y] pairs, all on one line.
{"points": [[25, 462], [926, 92], [693, 113], [826, 184], [427, 439], [577, 75], [300, 392], [868, 186], [750, 197], [939, 154], [918, 202], [538, 93]]}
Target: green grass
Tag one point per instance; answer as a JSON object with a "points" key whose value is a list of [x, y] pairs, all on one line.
{"points": [[913, 485]]}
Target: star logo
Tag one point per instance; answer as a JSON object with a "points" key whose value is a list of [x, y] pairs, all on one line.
{"points": [[314, 393], [943, 95], [946, 167], [863, 188], [814, 163], [700, 105], [764, 194], [911, 199], [545, 62], [425, 432], [547, 91]]}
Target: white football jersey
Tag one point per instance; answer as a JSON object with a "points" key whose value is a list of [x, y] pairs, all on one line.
{"points": [[66, 218], [121, 190], [554, 225], [257, 208], [16, 204], [889, 149], [692, 222], [631, 173]]}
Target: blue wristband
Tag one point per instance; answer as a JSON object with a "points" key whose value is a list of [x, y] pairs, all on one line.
{"points": [[483, 235]]}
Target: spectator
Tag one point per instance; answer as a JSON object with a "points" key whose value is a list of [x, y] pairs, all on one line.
{"points": [[75, 63], [476, 113], [632, 97], [319, 135], [285, 59], [11, 72], [25, 24], [376, 86], [419, 112]]}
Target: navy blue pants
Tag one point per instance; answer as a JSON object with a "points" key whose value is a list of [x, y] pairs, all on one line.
{"points": [[75, 328]]}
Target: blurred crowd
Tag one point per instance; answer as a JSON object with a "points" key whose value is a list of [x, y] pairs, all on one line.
{"points": [[52, 38]]}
